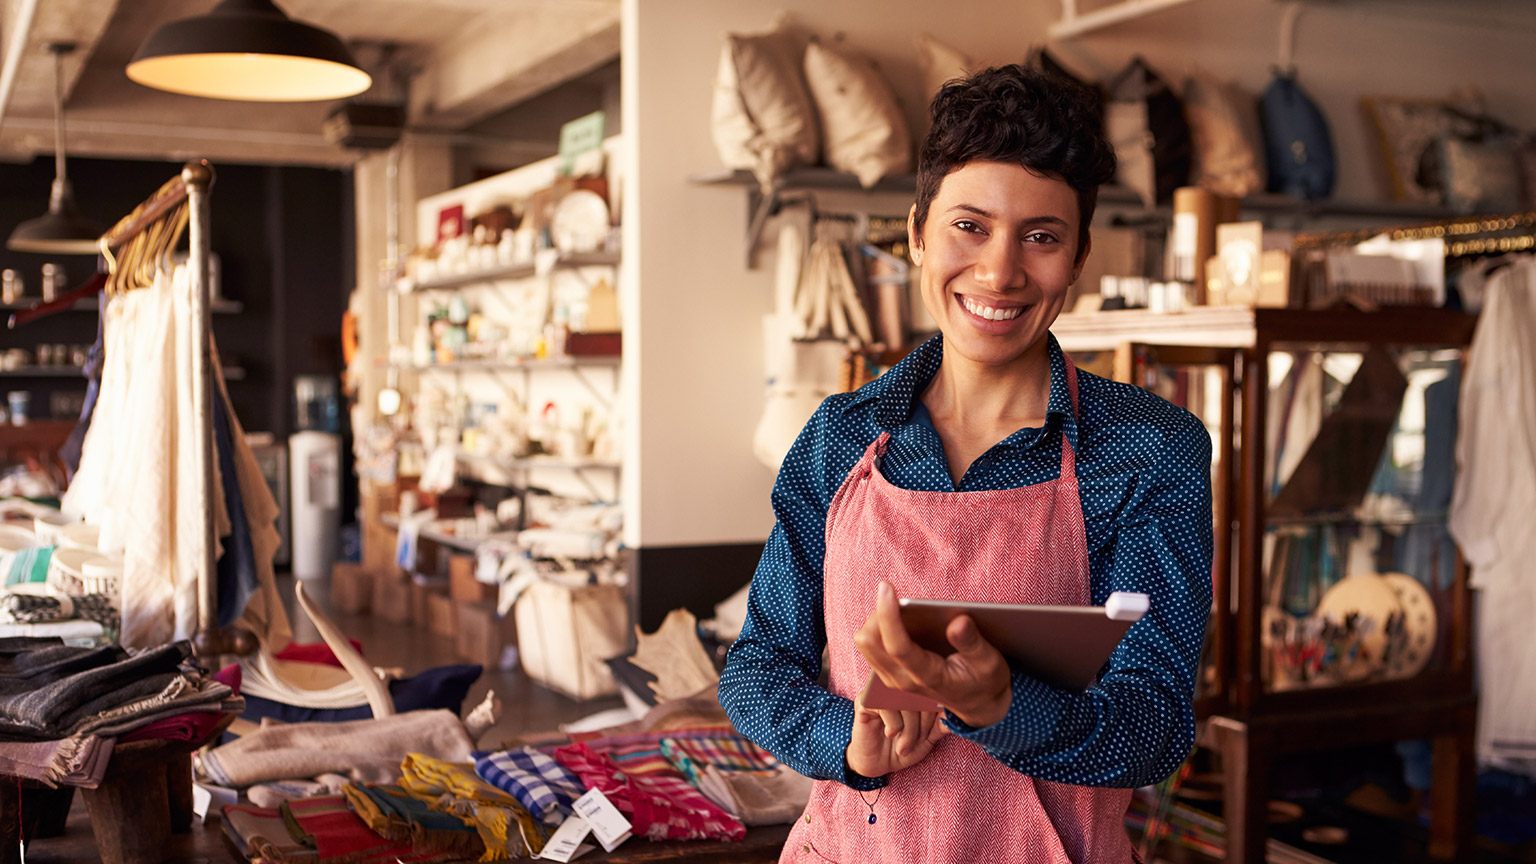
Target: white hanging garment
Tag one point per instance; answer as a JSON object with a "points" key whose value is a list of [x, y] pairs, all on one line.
{"points": [[142, 495], [1491, 508], [799, 374]]}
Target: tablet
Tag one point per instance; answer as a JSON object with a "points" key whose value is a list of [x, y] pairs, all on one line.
{"points": [[1064, 646]]}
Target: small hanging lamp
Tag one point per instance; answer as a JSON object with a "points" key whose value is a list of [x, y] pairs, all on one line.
{"points": [[248, 50], [60, 231]]}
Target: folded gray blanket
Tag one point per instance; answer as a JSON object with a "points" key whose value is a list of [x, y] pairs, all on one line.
{"points": [[52, 709], [22, 672]]}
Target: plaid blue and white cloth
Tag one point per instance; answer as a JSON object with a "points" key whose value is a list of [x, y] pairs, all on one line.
{"points": [[537, 781]]}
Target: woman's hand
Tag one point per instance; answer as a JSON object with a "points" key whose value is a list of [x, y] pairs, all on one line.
{"points": [[886, 741], [974, 682]]}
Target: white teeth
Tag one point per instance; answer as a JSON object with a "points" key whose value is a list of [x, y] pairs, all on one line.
{"points": [[990, 313]]}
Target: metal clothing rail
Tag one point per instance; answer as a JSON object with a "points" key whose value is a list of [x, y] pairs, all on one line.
{"points": [[191, 187]]}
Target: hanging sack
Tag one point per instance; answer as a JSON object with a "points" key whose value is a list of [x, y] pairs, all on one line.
{"points": [[1297, 147], [565, 633], [1145, 122]]}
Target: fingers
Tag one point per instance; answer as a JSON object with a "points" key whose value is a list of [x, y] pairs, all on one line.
{"points": [[892, 632]]}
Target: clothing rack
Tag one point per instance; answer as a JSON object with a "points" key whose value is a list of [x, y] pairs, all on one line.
{"points": [[1464, 236], [191, 188]]}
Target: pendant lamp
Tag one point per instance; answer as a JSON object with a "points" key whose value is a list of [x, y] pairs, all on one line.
{"points": [[60, 231], [250, 51]]}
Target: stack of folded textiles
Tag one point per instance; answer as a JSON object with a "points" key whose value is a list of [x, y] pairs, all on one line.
{"points": [[63, 707]]}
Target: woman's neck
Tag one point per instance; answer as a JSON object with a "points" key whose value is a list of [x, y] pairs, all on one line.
{"points": [[974, 406], [982, 395]]}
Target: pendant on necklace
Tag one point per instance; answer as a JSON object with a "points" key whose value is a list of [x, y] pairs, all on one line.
{"points": [[871, 818]]}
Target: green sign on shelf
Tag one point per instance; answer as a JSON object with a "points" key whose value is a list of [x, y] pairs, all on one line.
{"points": [[579, 137]]}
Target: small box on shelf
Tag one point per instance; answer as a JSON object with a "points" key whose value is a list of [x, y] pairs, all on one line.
{"points": [[442, 615], [392, 597], [482, 634], [423, 589], [378, 547], [462, 584], [351, 588]]}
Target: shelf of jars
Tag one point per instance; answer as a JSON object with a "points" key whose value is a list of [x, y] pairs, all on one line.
{"points": [[435, 281]]}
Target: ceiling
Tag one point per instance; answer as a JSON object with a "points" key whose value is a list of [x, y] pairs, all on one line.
{"points": [[466, 64]]}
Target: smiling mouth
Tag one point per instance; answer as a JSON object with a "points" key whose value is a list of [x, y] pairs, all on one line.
{"points": [[991, 313]]}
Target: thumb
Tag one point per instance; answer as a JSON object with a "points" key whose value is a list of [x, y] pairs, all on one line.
{"points": [[962, 634]]}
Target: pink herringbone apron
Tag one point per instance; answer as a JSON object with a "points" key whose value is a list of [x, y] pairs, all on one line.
{"points": [[958, 805]]}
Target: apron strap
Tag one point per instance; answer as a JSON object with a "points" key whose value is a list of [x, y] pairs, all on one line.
{"points": [[1068, 457]]}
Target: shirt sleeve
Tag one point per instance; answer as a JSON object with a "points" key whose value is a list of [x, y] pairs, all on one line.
{"points": [[769, 687], [1136, 725]]}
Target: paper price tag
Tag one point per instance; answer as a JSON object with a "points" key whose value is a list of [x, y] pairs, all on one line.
{"points": [[566, 843], [608, 825]]}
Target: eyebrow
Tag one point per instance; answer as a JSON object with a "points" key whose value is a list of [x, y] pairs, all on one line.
{"points": [[1033, 220]]}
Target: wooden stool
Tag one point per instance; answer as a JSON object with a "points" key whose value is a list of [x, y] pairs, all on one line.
{"points": [[144, 797]]}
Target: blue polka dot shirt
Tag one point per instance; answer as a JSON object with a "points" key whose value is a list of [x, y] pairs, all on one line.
{"points": [[1143, 468]]}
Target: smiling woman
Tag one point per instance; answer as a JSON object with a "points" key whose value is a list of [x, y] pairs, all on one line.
{"points": [[984, 467]]}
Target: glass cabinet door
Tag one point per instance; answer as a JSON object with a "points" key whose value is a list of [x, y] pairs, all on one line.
{"points": [[1358, 564]]}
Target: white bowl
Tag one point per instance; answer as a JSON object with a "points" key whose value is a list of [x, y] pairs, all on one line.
{"points": [[102, 575], [80, 535], [64, 569], [50, 528]]}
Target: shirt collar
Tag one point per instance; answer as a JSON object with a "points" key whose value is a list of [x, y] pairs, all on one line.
{"points": [[897, 390]]}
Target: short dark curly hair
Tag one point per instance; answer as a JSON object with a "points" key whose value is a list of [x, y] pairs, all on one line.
{"points": [[1049, 124]]}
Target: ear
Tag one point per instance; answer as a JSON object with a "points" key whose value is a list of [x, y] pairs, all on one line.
{"points": [[1082, 258], [914, 240]]}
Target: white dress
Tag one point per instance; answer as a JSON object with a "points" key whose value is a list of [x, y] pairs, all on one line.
{"points": [[1495, 495]]}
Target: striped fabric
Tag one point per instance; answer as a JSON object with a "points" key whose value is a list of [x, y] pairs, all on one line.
{"points": [[538, 782], [661, 805], [642, 754], [726, 752]]}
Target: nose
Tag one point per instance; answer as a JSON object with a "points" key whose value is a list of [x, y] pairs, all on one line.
{"points": [[1000, 263]]}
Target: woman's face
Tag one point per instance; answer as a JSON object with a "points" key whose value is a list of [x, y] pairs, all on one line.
{"points": [[998, 251]]}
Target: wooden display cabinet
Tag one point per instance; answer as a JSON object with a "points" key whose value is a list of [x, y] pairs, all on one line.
{"points": [[1276, 678]]}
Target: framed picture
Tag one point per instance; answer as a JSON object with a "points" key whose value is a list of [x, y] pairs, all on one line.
{"points": [[450, 223]]}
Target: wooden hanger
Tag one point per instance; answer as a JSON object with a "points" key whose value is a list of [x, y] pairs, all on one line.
{"points": [[69, 298]]}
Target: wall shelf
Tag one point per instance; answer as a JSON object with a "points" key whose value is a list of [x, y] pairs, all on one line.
{"points": [[231, 373], [510, 364], [763, 204], [521, 270], [89, 304], [442, 538]]}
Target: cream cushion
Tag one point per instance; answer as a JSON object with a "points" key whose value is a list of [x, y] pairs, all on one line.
{"points": [[940, 63], [762, 118], [1224, 128], [865, 131]]}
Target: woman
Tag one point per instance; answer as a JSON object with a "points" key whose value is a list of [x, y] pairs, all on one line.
{"points": [[982, 467]]}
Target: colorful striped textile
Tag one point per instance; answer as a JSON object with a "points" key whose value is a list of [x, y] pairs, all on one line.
{"points": [[262, 836], [334, 831], [726, 752], [641, 753], [538, 782], [507, 829], [392, 812], [660, 805]]}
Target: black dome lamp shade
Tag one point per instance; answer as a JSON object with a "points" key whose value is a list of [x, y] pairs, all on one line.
{"points": [[250, 51], [60, 231]]}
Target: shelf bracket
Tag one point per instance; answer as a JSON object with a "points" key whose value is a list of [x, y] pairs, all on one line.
{"points": [[761, 205], [602, 398]]}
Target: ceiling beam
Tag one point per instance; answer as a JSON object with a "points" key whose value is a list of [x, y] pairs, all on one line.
{"points": [[500, 61]]}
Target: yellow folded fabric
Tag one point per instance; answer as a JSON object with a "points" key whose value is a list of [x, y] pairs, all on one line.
{"points": [[508, 830]]}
